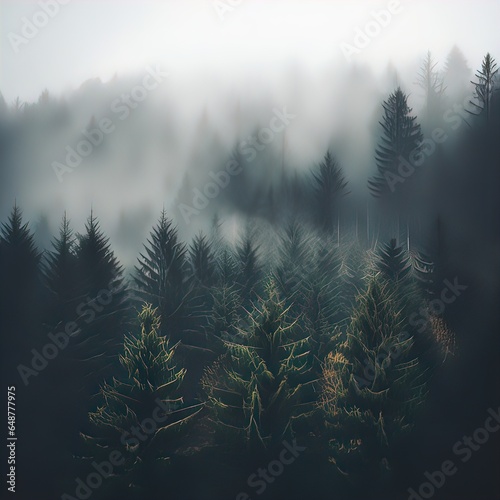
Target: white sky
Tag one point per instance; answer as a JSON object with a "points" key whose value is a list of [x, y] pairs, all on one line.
{"points": [[90, 38]]}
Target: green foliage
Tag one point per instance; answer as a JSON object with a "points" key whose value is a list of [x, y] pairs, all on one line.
{"points": [[393, 262], [248, 268], [146, 396], [255, 390], [372, 385], [224, 317]]}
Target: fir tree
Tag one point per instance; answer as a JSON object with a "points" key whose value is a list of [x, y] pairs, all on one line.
{"points": [[60, 273], [103, 308], [485, 86], [145, 396], [255, 391], [162, 280], [329, 186], [372, 386], [401, 137]]}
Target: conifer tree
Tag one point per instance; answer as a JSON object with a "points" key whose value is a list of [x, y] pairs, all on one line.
{"points": [[485, 86], [162, 279], [248, 267], [255, 390], [142, 413], [20, 286], [103, 307], [60, 273], [329, 186], [372, 386], [400, 138]]}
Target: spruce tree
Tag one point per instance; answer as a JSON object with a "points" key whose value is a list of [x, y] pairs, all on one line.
{"points": [[256, 389], [162, 279], [248, 268], [400, 138], [60, 273], [142, 414], [372, 386], [485, 86], [103, 308], [329, 186], [20, 286]]}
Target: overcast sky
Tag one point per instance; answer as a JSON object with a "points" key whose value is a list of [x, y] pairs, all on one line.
{"points": [[88, 38]]}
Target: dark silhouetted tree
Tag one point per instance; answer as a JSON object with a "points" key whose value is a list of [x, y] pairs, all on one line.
{"points": [[485, 85], [401, 136], [329, 186], [162, 279]]}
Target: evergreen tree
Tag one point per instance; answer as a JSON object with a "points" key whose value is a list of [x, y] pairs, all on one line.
{"points": [[60, 273], [248, 268], [162, 279], [142, 413], [20, 283], [485, 86], [400, 138], [103, 308], [329, 186], [393, 262], [255, 390], [372, 386]]}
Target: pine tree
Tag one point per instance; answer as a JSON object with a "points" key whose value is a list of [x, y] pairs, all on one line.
{"points": [[103, 308], [485, 86], [224, 317], [401, 136], [372, 386], [255, 390], [60, 273], [202, 261], [20, 287], [393, 262], [248, 268], [142, 413], [329, 186], [162, 280], [294, 260]]}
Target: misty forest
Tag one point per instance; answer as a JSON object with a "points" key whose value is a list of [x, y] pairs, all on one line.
{"points": [[279, 326]]}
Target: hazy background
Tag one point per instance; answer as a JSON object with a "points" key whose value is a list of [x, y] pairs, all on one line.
{"points": [[228, 69]]}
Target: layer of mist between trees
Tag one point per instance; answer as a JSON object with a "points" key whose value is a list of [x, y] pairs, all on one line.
{"points": [[287, 317]]}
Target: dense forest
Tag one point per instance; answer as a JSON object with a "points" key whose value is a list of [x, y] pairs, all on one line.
{"points": [[337, 344]]}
